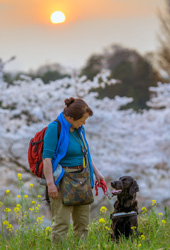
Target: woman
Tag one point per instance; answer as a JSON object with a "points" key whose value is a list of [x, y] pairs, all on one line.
{"points": [[67, 151]]}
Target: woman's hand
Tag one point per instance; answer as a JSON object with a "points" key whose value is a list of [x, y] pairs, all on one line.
{"points": [[99, 177], [53, 191]]}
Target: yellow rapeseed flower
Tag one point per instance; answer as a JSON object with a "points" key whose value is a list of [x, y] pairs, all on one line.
{"points": [[25, 196], [7, 210], [19, 176], [103, 209], [31, 209], [39, 205], [39, 196], [10, 227], [142, 237], [144, 210], [16, 210], [18, 196], [48, 229], [139, 245], [36, 209], [153, 202], [160, 214], [107, 228], [1, 203], [102, 220], [31, 185], [39, 219], [133, 228], [5, 222], [18, 205], [7, 191], [163, 221], [33, 202]]}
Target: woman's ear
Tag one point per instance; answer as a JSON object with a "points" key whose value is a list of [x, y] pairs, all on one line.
{"points": [[70, 119]]}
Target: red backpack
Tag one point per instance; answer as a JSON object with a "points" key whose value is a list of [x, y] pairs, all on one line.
{"points": [[35, 151]]}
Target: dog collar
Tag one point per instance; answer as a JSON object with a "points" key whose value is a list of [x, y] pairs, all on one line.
{"points": [[123, 214]]}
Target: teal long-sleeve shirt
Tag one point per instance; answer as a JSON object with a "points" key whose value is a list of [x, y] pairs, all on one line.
{"points": [[74, 155]]}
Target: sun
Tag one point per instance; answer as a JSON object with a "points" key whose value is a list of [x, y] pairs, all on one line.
{"points": [[57, 17]]}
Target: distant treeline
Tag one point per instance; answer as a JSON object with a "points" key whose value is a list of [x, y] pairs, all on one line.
{"points": [[135, 72]]}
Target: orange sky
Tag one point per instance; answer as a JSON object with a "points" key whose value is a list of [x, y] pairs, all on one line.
{"points": [[90, 24], [23, 12]]}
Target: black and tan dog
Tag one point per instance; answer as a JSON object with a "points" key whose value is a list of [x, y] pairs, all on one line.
{"points": [[124, 216]]}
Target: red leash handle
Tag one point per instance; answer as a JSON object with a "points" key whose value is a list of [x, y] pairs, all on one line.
{"points": [[103, 185]]}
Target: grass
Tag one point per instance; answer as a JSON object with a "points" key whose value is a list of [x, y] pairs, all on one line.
{"points": [[22, 227]]}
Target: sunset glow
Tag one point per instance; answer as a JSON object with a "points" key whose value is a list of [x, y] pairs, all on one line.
{"points": [[57, 17], [88, 26]]}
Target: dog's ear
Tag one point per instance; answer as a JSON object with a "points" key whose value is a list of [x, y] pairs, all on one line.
{"points": [[134, 188]]}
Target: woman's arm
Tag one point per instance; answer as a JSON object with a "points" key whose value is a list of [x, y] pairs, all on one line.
{"points": [[52, 189], [99, 177]]}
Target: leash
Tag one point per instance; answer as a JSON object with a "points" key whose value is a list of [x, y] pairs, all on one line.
{"points": [[103, 185]]}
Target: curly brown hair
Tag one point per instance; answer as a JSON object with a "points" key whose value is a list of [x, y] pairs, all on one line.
{"points": [[76, 108]]}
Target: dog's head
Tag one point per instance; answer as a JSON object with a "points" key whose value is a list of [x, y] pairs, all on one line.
{"points": [[125, 184]]}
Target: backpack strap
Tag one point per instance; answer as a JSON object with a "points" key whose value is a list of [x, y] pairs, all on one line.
{"points": [[59, 127]]}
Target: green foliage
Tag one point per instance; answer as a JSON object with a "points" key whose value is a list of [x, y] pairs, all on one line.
{"points": [[23, 228], [10, 78], [93, 66], [133, 70], [50, 76], [46, 76]]}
